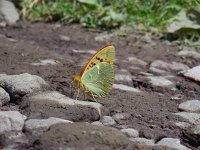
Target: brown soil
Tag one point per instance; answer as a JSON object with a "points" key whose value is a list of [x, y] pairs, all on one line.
{"points": [[28, 43]]}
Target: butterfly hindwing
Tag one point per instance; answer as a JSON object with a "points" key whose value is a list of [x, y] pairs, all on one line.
{"points": [[98, 80]]}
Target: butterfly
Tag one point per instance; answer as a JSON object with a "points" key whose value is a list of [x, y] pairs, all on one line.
{"points": [[97, 76]]}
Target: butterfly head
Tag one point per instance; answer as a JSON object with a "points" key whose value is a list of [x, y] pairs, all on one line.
{"points": [[77, 80]]}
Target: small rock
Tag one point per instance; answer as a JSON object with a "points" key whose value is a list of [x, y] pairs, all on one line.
{"points": [[193, 74], [121, 116], [84, 51], [21, 84], [125, 88], [103, 37], [136, 61], [55, 104], [97, 123], [160, 81], [46, 62], [189, 53], [193, 118], [11, 121], [192, 135], [8, 12], [158, 71], [182, 125], [143, 141], [65, 38], [131, 133], [4, 97], [121, 77], [14, 139], [107, 120], [175, 66], [37, 126], [173, 143], [191, 106]]}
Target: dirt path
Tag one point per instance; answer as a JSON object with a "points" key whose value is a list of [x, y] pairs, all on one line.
{"points": [[71, 46]]}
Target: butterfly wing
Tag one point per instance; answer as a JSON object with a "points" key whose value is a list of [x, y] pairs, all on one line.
{"points": [[106, 54], [98, 80]]}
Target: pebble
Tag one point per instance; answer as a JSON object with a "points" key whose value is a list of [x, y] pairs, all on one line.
{"points": [[173, 143], [97, 123], [182, 125], [107, 120], [158, 71], [175, 66], [84, 51], [160, 81], [189, 53], [193, 73], [4, 97], [130, 132], [21, 84], [136, 61], [9, 12], [143, 141], [193, 118], [46, 62], [11, 121], [121, 77], [65, 38], [121, 116], [190, 106], [54, 104], [103, 37], [125, 88]]}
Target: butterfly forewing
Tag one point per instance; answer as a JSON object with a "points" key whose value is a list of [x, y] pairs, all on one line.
{"points": [[106, 54], [98, 80]]}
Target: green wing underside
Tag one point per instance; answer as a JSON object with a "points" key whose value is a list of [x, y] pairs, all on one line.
{"points": [[98, 80]]}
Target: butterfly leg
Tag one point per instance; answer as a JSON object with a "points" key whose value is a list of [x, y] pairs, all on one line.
{"points": [[78, 91]]}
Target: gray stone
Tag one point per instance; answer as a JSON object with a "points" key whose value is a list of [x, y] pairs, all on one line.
{"points": [[37, 126], [84, 51], [158, 71], [8, 12], [191, 106], [4, 97], [107, 120], [192, 135], [125, 88], [173, 143], [34, 124], [130, 132], [121, 116], [182, 125], [136, 61], [11, 121], [54, 104], [14, 139], [65, 38], [175, 66], [21, 84], [193, 118], [97, 123], [46, 62], [193, 73], [121, 77], [103, 37], [160, 81], [143, 141], [189, 53], [84, 136]]}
